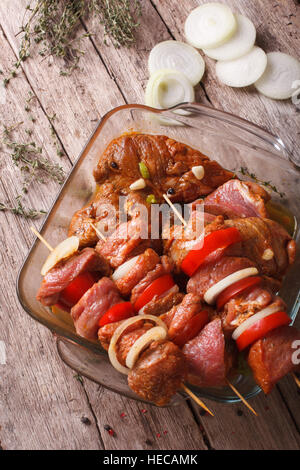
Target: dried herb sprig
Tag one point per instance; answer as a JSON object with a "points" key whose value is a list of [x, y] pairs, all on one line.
{"points": [[54, 24], [268, 184], [19, 209], [28, 157]]}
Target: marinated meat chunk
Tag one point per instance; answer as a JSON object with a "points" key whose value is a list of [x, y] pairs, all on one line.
{"points": [[178, 245], [158, 373], [160, 270], [105, 332], [163, 304], [206, 356], [169, 164], [266, 243], [211, 273], [93, 305], [241, 307], [124, 242], [271, 357], [61, 275], [183, 312], [237, 198], [146, 262]]}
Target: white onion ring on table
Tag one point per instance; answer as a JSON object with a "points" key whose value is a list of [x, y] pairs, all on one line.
{"points": [[212, 293], [112, 353], [254, 318]]}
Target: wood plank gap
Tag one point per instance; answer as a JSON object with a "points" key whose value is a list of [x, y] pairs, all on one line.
{"points": [[288, 408], [36, 97], [110, 72], [93, 414], [200, 425]]}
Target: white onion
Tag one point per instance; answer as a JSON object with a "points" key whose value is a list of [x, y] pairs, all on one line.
{"points": [[176, 55], [63, 250], [281, 73], [239, 44], [112, 353], [212, 293], [156, 333], [209, 25], [124, 269], [243, 71], [253, 319], [167, 88]]}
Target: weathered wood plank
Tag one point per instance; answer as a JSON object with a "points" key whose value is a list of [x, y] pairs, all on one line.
{"points": [[276, 30], [41, 404]]}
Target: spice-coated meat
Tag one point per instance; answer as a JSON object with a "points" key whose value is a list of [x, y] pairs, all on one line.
{"points": [[206, 356], [93, 305], [145, 263], [164, 303], [266, 243], [182, 313], [169, 164], [211, 273], [237, 198], [274, 356], [158, 373], [61, 275]]}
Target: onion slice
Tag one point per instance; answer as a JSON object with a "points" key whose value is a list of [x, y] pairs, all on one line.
{"points": [[63, 250], [112, 353], [253, 319], [212, 293], [209, 25], [156, 333], [176, 55], [243, 71], [282, 72], [124, 269], [167, 88], [241, 42]]}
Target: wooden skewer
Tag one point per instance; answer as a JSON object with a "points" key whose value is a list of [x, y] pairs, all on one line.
{"points": [[196, 399], [296, 379], [100, 235], [175, 210], [37, 234], [241, 397]]}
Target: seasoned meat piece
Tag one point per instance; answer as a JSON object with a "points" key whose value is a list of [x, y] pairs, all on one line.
{"points": [[105, 332], [124, 241], [177, 248], [93, 212], [205, 356], [211, 273], [145, 263], [160, 270], [169, 164], [158, 373], [162, 305], [266, 243], [270, 358], [93, 305], [238, 198], [238, 309], [61, 275], [190, 305]]}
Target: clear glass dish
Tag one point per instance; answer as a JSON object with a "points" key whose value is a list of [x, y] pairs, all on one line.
{"points": [[233, 142]]}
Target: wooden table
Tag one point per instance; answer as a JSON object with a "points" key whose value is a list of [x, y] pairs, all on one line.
{"points": [[42, 404]]}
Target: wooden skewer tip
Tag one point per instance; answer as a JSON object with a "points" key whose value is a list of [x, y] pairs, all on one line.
{"points": [[241, 397], [42, 239], [175, 210], [196, 399], [100, 235]]}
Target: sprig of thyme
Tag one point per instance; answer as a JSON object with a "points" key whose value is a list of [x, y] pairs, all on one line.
{"points": [[19, 209], [28, 157], [54, 24], [268, 184]]}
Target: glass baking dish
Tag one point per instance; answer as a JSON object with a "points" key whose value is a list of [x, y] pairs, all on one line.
{"points": [[228, 139]]}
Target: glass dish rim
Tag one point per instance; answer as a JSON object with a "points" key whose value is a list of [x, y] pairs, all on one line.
{"points": [[224, 116]]}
